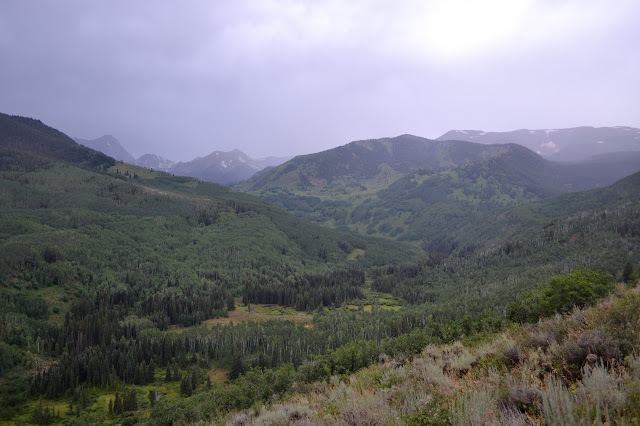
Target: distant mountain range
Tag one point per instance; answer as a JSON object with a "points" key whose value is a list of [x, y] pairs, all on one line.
{"points": [[218, 167], [575, 144], [419, 189], [155, 162], [109, 145], [225, 167]]}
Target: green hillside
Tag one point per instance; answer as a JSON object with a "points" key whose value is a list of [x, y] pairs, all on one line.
{"points": [[25, 134], [499, 254], [414, 189], [92, 254]]}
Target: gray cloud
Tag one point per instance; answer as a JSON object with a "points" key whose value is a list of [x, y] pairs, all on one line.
{"points": [[182, 79]]}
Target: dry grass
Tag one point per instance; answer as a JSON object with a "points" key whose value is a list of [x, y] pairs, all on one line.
{"points": [[217, 375], [259, 313]]}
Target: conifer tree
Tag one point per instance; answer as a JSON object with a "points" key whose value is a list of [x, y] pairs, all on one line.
{"points": [[167, 376], [236, 365], [150, 376], [176, 373], [186, 388], [628, 275], [117, 404]]}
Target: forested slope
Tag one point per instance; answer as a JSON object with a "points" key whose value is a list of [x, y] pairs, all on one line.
{"points": [[500, 254], [94, 252], [410, 188]]}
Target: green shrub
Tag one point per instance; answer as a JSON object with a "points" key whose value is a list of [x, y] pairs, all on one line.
{"points": [[434, 413], [561, 294]]}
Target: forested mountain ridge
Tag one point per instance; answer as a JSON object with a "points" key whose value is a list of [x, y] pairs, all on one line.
{"points": [[499, 254], [374, 162], [23, 134], [573, 144], [416, 189], [131, 192], [516, 223]]}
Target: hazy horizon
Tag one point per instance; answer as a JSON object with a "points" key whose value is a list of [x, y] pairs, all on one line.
{"points": [[282, 78]]}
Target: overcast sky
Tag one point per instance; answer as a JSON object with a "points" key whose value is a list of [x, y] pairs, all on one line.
{"points": [[184, 78]]}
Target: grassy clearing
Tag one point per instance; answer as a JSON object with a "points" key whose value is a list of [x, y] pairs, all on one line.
{"points": [[376, 299], [355, 254], [266, 312], [259, 312]]}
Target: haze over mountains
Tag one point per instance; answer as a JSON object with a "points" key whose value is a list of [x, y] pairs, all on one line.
{"points": [[566, 145], [218, 167], [574, 144], [225, 167], [109, 145], [154, 161]]}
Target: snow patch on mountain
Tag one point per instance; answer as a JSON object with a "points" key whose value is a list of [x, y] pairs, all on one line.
{"points": [[155, 162]]}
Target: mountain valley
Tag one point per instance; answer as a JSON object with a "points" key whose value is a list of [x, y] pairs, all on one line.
{"points": [[445, 281]]}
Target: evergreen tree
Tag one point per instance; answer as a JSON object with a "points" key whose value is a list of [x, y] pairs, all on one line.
{"points": [[151, 369], [130, 399], [134, 399], [41, 415], [628, 274], [117, 404], [236, 365], [195, 379], [176, 373], [186, 388], [231, 304]]}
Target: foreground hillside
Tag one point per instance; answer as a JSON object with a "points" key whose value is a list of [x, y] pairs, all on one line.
{"points": [[580, 368]]}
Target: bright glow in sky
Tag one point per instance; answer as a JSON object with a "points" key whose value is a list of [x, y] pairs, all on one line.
{"points": [[278, 77]]}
